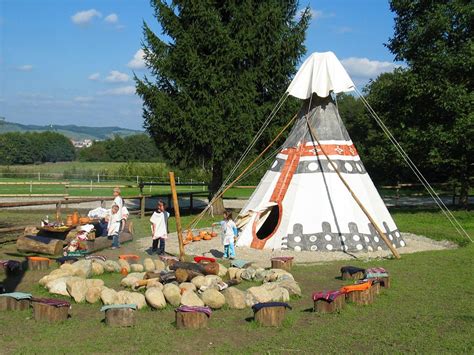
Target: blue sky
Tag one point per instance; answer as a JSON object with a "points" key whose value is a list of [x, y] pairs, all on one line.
{"points": [[71, 61]]}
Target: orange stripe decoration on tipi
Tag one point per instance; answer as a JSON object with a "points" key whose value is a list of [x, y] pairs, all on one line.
{"points": [[330, 149], [289, 169]]}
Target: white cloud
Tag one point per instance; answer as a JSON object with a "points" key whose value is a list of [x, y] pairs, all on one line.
{"points": [[365, 68], [25, 67], [123, 90], [112, 18], [83, 99], [85, 17], [138, 60], [117, 77], [94, 76], [343, 29]]}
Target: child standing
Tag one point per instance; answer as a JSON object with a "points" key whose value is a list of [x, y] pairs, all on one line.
{"points": [[113, 228], [229, 233], [159, 228]]}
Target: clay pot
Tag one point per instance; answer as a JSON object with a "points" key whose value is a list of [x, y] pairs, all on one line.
{"points": [[75, 218], [69, 220]]}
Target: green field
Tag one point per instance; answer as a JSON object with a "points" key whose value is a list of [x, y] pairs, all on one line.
{"points": [[428, 309]]}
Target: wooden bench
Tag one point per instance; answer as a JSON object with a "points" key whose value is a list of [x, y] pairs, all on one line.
{"points": [[120, 315], [50, 310], [192, 317], [270, 314], [15, 301]]}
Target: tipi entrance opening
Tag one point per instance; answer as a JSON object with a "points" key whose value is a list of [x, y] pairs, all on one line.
{"points": [[267, 222]]}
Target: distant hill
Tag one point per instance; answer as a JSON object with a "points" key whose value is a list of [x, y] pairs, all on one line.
{"points": [[70, 131]]}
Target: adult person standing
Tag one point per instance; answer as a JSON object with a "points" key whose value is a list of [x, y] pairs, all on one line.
{"points": [[159, 228]]}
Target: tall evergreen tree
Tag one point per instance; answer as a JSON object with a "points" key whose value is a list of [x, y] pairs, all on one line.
{"points": [[217, 72]]}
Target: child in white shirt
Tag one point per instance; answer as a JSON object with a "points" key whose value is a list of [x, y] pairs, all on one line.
{"points": [[229, 233]]}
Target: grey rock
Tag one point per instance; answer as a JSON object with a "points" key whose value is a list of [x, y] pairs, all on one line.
{"points": [[172, 294], [155, 298], [234, 298], [213, 298]]}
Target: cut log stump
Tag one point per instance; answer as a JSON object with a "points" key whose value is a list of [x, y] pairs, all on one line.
{"points": [[355, 276], [12, 304], [191, 320], [375, 289], [384, 281], [282, 263], [364, 297], [323, 306], [270, 316], [120, 317], [49, 313], [41, 245], [38, 263]]}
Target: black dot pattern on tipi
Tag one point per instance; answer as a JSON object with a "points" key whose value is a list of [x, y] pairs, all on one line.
{"points": [[353, 241]]}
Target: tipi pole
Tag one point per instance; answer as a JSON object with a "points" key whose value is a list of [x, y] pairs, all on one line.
{"points": [[356, 199], [177, 216], [198, 217]]}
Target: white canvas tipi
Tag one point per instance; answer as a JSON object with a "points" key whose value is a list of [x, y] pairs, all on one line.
{"points": [[301, 202]]}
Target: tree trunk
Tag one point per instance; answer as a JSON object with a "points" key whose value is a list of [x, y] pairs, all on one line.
{"points": [[216, 182], [43, 246], [464, 191]]}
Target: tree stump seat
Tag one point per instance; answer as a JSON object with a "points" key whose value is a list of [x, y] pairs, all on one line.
{"points": [[192, 317], [384, 281], [50, 310], [271, 314], [329, 302], [361, 294], [15, 301], [38, 263], [121, 315], [352, 273], [282, 262]]}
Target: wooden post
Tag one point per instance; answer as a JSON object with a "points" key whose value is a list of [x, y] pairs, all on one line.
{"points": [[142, 206], [58, 211], [177, 216], [356, 199]]}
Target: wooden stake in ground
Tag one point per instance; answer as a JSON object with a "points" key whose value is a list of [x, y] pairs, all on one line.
{"points": [[176, 214]]}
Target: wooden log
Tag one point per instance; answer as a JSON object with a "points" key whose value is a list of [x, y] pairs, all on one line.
{"points": [[270, 316], [12, 304], [120, 317], [30, 244], [191, 320], [375, 289], [356, 276], [384, 281], [360, 297], [282, 264], [104, 242], [38, 263], [183, 275], [323, 306], [45, 312]]}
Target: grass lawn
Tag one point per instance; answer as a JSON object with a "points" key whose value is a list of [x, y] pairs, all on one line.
{"points": [[428, 309]]}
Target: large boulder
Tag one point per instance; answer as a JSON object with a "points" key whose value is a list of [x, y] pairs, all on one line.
{"points": [[93, 294], [136, 268], [172, 294], [111, 266], [126, 297], [234, 298], [291, 286], [154, 283], [131, 278], [148, 264], [211, 280], [77, 288], [67, 267], [94, 283], [222, 270], [55, 274], [155, 298], [124, 265], [277, 275], [97, 268], [280, 294], [83, 268], [58, 286], [187, 286], [190, 298], [248, 274], [257, 295], [213, 298], [232, 271], [159, 265], [199, 281], [108, 296], [259, 274]]}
